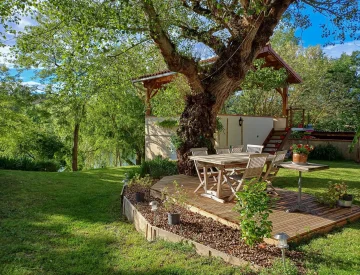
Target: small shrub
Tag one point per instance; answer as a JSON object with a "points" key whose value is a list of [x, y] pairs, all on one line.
{"points": [[326, 152], [253, 205], [158, 167], [278, 268], [27, 164], [168, 123], [178, 197], [146, 181], [296, 135], [334, 193]]}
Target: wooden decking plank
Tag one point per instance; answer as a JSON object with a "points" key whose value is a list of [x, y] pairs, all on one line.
{"points": [[296, 225]]}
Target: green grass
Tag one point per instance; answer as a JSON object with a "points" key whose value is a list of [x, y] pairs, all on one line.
{"points": [[318, 181], [337, 252], [70, 223]]}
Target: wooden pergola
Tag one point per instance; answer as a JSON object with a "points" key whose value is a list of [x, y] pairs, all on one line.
{"points": [[154, 82]]}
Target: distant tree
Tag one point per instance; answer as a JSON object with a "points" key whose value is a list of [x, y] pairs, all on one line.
{"points": [[235, 31]]}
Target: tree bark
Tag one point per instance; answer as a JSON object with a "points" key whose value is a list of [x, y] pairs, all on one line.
{"points": [[196, 129], [75, 147]]}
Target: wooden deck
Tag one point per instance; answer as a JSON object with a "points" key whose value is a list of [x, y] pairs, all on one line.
{"points": [[296, 225]]}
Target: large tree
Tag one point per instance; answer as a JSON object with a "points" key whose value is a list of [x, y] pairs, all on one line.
{"points": [[233, 30]]}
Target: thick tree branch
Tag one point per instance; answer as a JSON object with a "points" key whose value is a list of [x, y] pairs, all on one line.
{"points": [[205, 37], [175, 61]]}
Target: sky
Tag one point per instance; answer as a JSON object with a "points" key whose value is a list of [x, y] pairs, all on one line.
{"points": [[309, 37]]}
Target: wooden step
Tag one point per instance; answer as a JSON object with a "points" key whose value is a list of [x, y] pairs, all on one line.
{"points": [[279, 133], [268, 150]]}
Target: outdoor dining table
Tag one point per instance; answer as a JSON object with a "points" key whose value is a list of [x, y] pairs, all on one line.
{"points": [[308, 167], [222, 162]]}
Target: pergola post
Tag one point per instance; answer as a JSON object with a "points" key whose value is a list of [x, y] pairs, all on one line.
{"points": [[284, 95]]}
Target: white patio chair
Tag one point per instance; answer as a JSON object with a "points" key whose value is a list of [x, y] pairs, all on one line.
{"points": [[250, 148], [271, 172], [237, 148], [222, 150], [253, 171], [200, 168]]}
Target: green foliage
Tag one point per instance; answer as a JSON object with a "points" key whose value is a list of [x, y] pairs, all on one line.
{"points": [[219, 125], [326, 152], [334, 192], [253, 205], [176, 141], [158, 168], [169, 101], [176, 197], [145, 181], [168, 123], [258, 96], [297, 134], [278, 268], [27, 164]]}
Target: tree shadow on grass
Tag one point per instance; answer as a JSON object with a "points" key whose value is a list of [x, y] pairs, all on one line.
{"points": [[56, 248]]}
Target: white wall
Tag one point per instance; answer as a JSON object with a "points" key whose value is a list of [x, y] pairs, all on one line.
{"points": [[255, 131], [157, 139]]}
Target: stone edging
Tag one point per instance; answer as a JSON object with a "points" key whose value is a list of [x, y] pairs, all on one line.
{"points": [[153, 233]]}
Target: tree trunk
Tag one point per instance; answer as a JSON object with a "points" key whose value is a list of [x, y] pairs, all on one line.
{"points": [[75, 147], [138, 157], [196, 129]]}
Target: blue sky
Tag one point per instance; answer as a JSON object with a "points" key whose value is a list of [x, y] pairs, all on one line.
{"points": [[309, 37]]}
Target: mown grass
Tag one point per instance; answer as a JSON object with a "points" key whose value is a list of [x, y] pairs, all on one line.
{"points": [[70, 223], [337, 252]]}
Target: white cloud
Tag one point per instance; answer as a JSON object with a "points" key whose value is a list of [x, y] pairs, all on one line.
{"points": [[5, 57], [336, 50], [32, 83]]}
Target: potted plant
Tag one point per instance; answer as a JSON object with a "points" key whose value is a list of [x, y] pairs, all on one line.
{"points": [[336, 195], [301, 152], [171, 199], [140, 186]]}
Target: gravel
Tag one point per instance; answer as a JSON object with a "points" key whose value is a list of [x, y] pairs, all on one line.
{"points": [[212, 233]]}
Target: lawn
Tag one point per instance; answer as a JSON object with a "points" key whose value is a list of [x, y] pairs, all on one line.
{"points": [[338, 252], [70, 223]]}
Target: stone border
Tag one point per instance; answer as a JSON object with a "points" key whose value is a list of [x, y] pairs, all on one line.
{"points": [[153, 233]]}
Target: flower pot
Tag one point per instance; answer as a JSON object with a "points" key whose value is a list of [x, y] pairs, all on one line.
{"points": [[300, 158], [139, 196], [345, 201], [173, 218]]}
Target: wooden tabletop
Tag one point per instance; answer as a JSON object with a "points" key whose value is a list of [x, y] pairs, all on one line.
{"points": [[309, 167], [224, 159]]}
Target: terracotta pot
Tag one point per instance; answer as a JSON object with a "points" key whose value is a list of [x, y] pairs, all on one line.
{"points": [[300, 158]]}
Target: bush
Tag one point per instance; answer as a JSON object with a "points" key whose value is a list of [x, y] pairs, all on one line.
{"points": [[27, 164], [326, 152], [158, 167], [278, 268], [253, 205]]}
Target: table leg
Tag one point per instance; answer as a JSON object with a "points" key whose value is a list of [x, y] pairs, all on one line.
{"points": [[220, 178], [206, 179], [299, 185], [299, 206]]}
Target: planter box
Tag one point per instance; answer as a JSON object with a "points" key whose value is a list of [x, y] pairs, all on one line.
{"points": [[153, 233]]}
